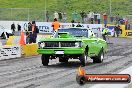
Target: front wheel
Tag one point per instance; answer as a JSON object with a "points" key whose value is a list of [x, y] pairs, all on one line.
{"points": [[45, 60], [83, 58]]}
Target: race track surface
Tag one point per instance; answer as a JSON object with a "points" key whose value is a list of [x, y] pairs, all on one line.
{"points": [[29, 72]]}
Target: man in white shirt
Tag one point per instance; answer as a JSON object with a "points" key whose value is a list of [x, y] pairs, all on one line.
{"points": [[91, 15], [56, 15]]}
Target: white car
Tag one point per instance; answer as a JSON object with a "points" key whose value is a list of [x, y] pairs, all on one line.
{"points": [[7, 32], [111, 30]]}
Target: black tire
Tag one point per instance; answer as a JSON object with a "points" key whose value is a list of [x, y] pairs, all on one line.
{"points": [[45, 60], [99, 58], [83, 58], [65, 60], [94, 59]]}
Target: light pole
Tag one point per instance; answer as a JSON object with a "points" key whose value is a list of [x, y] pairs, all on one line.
{"points": [[110, 7], [45, 10], [28, 11], [28, 14]]}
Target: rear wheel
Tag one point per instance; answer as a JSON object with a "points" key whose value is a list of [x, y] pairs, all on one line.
{"points": [[94, 59], [45, 60], [99, 58]]}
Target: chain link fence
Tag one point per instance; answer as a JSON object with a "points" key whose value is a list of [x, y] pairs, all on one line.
{"points": [[28, 14], [22, 14]]}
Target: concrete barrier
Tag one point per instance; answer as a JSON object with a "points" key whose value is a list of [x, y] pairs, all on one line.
{"points": [[29, 49], [127, 34], [26, 50]]}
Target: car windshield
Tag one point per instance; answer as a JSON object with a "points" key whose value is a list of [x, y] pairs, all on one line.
{"points": [[77, 32]]}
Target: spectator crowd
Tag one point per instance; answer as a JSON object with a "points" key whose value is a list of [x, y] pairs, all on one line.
{"points": [[87, 17], [82, 17]]}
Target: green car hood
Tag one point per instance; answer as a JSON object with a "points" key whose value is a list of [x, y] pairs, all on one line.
{"points": [[61, 39]]}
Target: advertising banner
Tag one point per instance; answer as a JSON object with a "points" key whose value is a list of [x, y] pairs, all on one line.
{"points": [[45, 27], [7, 52]]}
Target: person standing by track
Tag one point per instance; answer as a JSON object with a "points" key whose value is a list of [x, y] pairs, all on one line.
{"points": [[55, 26], [105, 32]]}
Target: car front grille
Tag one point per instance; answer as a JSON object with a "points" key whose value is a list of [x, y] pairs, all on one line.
{"points": [[67, 44], [59, 44], [51, 44]]}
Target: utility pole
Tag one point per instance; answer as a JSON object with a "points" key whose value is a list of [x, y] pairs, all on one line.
{"points": [[110, 7], [45, 10], [28, 14]]}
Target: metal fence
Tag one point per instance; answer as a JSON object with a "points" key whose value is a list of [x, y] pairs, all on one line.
{"points": [[22, 14], [28, 14]]}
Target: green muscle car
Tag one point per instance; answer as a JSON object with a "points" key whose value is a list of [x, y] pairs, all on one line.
{"points": [[73, 43]]}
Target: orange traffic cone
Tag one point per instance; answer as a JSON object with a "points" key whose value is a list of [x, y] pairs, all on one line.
{"points": [[22, 39]]}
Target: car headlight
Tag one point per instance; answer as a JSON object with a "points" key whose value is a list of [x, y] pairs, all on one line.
{"points": [[78, 44], [42, 45]]}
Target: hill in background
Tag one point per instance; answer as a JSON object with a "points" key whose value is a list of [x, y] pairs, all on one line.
{"points": [[35, 9]]}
